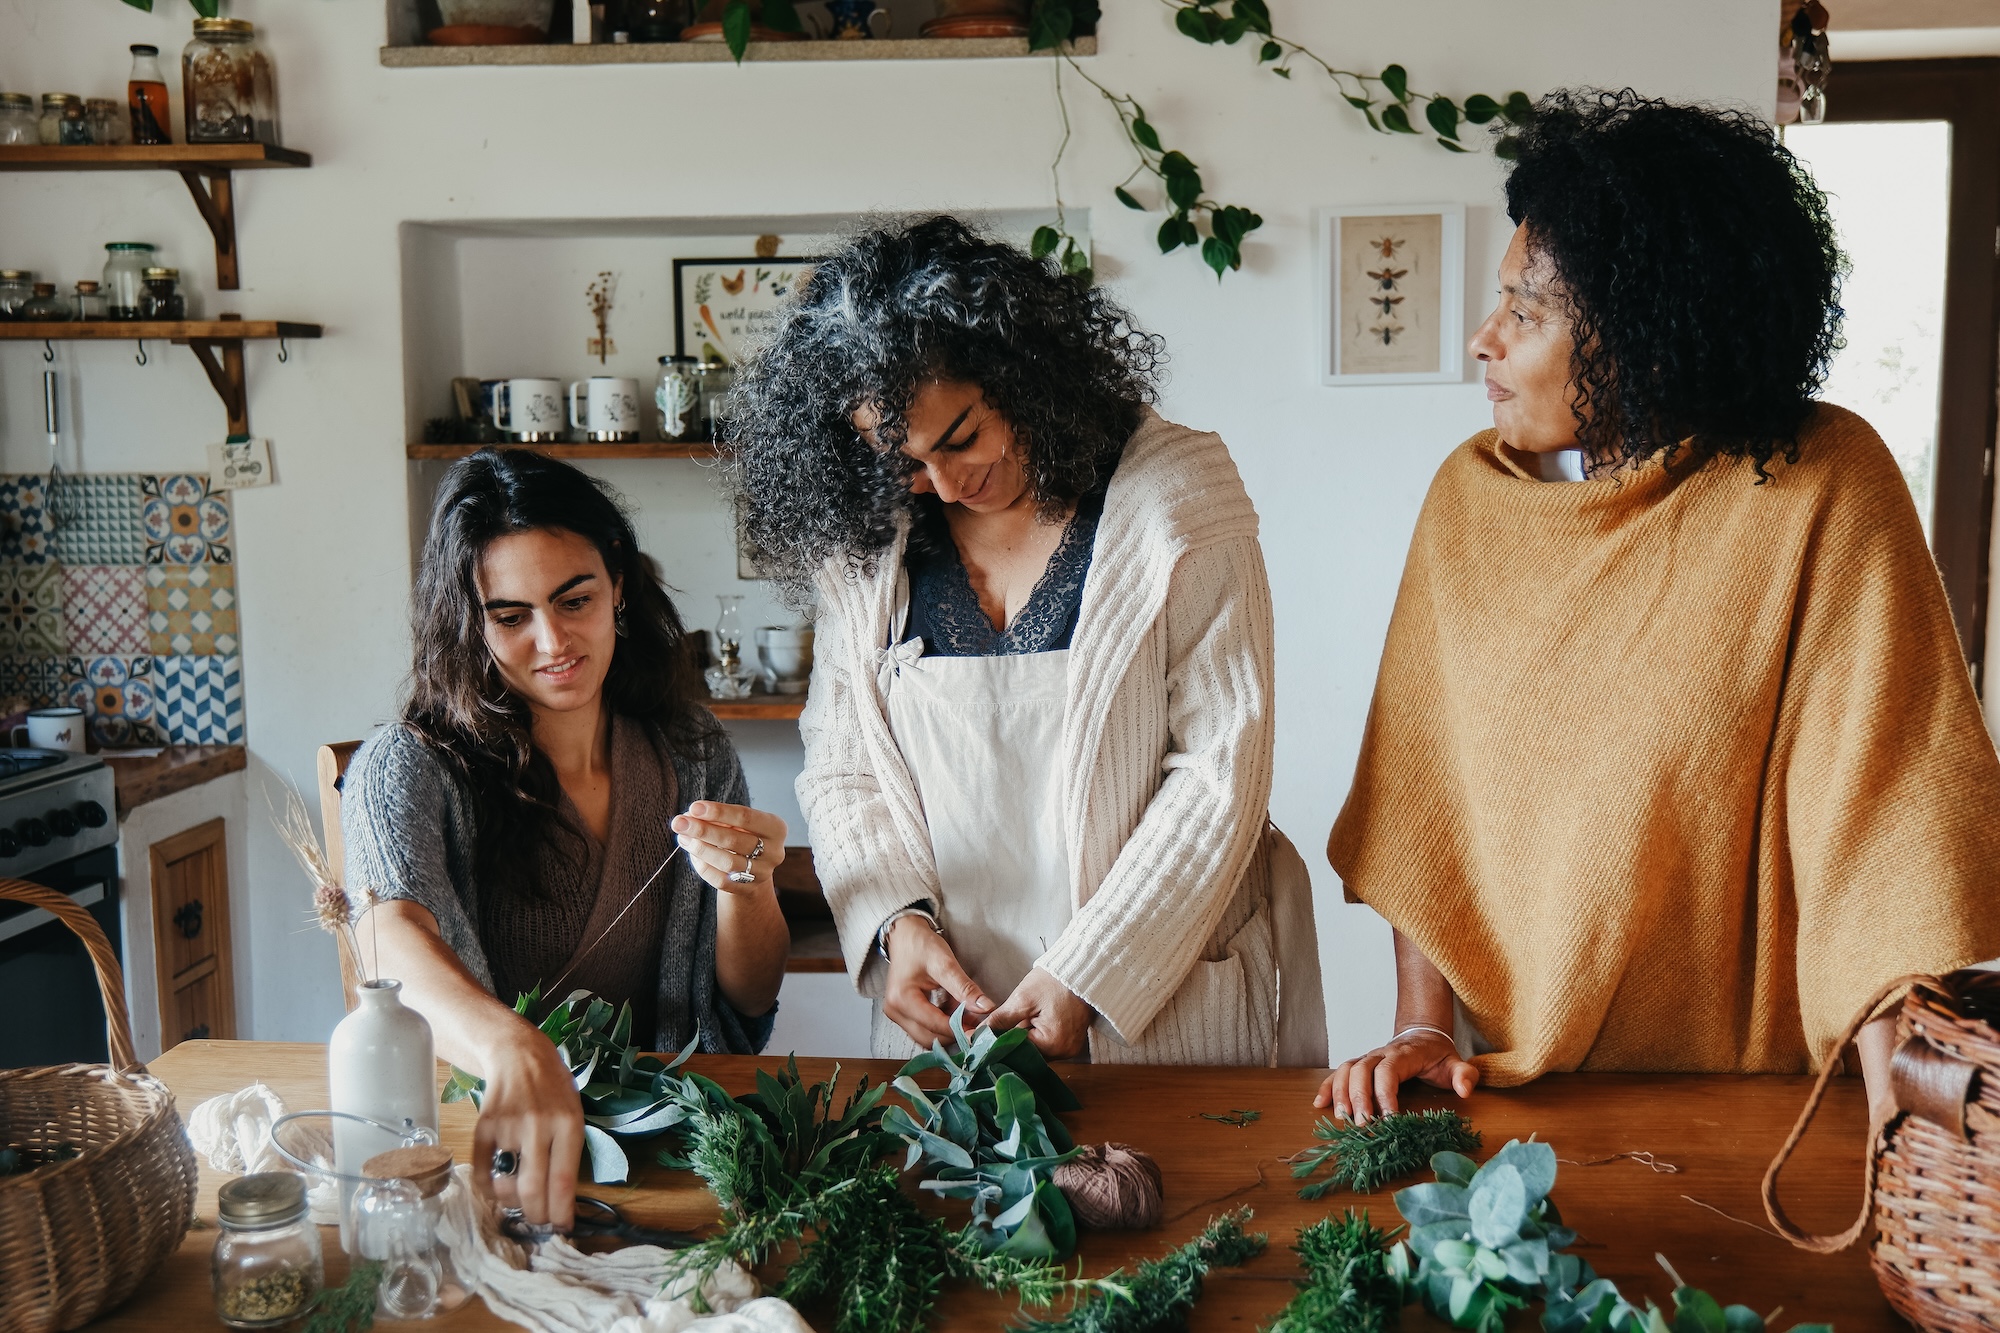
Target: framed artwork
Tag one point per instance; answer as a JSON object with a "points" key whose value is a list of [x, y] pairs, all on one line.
{"points": [[1392, 284], [723, 306]]}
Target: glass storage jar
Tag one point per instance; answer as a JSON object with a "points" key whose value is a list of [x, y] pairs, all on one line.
{"points": [[397, 1220], [88, 302], [713, 377], [16, 286], [146, 97], [107, 122], [125, 278], [677, 395], [18, 123], [162, 298], [50, 126], [229, 93], [45, 305], [267, 1265]]}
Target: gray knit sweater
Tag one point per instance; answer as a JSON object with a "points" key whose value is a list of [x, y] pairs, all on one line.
{"points": [[408, 825]]}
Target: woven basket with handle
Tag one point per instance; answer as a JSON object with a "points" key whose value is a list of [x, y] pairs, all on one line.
{"points": [[1932, 1177], [79, 1233]]}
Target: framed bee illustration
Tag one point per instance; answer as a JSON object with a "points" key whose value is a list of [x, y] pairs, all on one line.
{"points": [[1392, 289], [722, 307]]}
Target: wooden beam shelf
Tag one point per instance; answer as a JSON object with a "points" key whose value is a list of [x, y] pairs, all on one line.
{"points": [[757, 708], [566, 451], [675, 53], [207, 169], [216, 343]]}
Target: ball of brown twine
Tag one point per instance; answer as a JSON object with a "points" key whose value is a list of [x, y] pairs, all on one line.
{"points": [[1112, 1187]]}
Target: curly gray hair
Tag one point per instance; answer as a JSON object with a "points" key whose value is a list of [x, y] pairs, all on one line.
{"points": [[897, 307]]}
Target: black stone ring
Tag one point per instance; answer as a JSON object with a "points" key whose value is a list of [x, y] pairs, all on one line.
{"points": [[505, 1162]]}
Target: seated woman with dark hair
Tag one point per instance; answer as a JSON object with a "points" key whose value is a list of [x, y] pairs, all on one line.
{"points": [[1038, 738], [1673, 758], [552, 811]]}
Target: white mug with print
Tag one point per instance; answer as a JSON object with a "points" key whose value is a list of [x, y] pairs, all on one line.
{"points": [[52, 729], [610, 408], [530, 410]]}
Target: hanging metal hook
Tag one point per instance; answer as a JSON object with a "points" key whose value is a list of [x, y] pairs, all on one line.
{"points": [[284, 352], [48, 350], [141, 358]]}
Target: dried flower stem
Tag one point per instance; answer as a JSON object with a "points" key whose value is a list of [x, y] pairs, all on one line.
{"points": [[333, 908]]}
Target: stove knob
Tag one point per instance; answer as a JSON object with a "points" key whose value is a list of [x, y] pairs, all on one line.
{"points": [[64, 823], [9, 844], [33, 832], [92, 814]]}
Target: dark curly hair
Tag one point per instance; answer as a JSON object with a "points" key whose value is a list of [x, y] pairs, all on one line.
{"points": [[458, 704], [896, 307], [1699, 269]]}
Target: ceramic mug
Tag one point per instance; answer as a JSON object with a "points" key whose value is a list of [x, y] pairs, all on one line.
{"points": [[530, 410], [610, 408], [52, 729], [787, 658]]}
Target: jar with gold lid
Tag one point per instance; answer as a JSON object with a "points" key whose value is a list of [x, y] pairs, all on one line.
{"points": [[58, 125], [267, 1265], [162, 298], [229, 91]]}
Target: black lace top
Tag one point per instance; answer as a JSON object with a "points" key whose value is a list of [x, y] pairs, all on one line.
{"points": [[944, 611]]}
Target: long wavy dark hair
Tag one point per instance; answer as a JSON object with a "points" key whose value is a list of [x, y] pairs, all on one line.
{"points": [[1697, 261], [457, 701], [895, 308]]}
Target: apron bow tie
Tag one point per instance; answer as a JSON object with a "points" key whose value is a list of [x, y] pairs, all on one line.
{"points": [[909, 653]]}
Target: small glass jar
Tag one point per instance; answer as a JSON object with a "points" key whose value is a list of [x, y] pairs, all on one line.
{"points": [[678, 397], [16, 286], [713, 377], [397, 1216], [125, 278], [45, 306], [108, 122], [18, 123], [88, 302], [162, 298], [229, 91], [50, 126], [267, 1265]]}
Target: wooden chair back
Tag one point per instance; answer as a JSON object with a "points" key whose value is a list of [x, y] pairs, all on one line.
{"points": [[333, 761]]}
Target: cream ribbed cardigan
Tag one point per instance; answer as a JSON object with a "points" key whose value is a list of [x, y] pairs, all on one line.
{"points": [[1166, 766]]}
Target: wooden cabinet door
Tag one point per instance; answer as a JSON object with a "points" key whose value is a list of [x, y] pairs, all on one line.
{"points": [[191, 936]]}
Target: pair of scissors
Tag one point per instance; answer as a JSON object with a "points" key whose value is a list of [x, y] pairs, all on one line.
{"points": [[595, 1219]]}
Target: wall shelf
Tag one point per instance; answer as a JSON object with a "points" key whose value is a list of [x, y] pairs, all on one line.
{"points": [[216, 343], [566, 451], [678, 53], [208, 169], [757, 708]]}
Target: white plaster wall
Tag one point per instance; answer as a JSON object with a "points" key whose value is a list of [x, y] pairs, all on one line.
{"points": [[1337, 473]]}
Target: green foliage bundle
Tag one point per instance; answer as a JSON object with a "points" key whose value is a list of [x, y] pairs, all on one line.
{"points": [[1599, 1308], [626, 1096], [1158, 1296], [1348, 1287], [1364, 1156], [992, 1136], [349, 1307]]}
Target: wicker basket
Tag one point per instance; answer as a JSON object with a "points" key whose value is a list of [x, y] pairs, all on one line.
{"points": [[77, 1237], [1933, 1172]]}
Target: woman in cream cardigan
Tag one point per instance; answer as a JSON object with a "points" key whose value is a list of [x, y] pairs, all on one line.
{"points": [[1038, 739]]}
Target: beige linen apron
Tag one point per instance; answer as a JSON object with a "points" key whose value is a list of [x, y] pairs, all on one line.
{"points": [[983, 740]]}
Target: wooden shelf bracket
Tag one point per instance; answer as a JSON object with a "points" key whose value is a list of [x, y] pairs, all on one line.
{"points": [[226, 374], [217, 202]]}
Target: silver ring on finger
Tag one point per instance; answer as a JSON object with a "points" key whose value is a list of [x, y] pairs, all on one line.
{"points": [[505, 1162], [755, 852], [746, 875]]}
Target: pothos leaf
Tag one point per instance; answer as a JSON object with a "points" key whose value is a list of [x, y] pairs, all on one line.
{"points": [[1442, 113], [1170, 235], [1044, 242], [146, 5], [1194, 23], [1124, 197], [1220, 255], [1397, 119], [1255, 13], [1050, 25], [1479, 108], [1269, 51], [1146, 134], [208, 9], [1397, 80], [736, 27]]}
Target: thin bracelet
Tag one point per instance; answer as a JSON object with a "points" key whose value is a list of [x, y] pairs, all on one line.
{"points": [[1426, 1027]]}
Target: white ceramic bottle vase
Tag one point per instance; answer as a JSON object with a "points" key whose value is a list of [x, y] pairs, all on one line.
{"points": [[379, 1064]]}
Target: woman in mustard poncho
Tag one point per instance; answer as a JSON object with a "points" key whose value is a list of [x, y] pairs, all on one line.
{"points": [[1673, 757]]}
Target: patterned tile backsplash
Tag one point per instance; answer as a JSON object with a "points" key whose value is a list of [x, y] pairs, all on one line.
{"points": [[118, 595]]}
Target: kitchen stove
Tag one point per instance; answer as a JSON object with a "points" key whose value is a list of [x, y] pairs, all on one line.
{"points": [[56, 829]]}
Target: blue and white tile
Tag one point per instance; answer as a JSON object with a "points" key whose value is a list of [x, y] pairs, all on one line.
{"points": [[182, 522], [200, 699], [39, 680], [119, 694], [24, 520]]}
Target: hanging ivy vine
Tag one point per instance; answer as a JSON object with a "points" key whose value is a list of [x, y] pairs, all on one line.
{"points": [[1385, 99]]}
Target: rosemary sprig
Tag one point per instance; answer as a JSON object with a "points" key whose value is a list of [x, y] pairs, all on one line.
{"points": [[1160, 1293], [1240, 1119], [349, 1307], [1348, 1288], [1364, 1156]]}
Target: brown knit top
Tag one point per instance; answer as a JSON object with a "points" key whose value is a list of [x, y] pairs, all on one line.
{"points": [[1669, 771]]}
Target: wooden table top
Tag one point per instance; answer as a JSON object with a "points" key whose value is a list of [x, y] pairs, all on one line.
{"points": [[1720, 1130]]}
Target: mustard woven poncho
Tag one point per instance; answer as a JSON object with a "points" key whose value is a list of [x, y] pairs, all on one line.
{"points": [[1669, 771]]}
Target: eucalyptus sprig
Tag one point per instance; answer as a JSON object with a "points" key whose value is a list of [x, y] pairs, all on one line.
{"points": [[626, 1096], [992, 1136], [1364, 1156], [1599, 1308], [1348, 1288], [1162, 1291]]}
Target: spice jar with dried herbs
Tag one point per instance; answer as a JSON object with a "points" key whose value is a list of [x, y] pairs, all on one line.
{"points": [[229, 92], [267, 1266]]}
